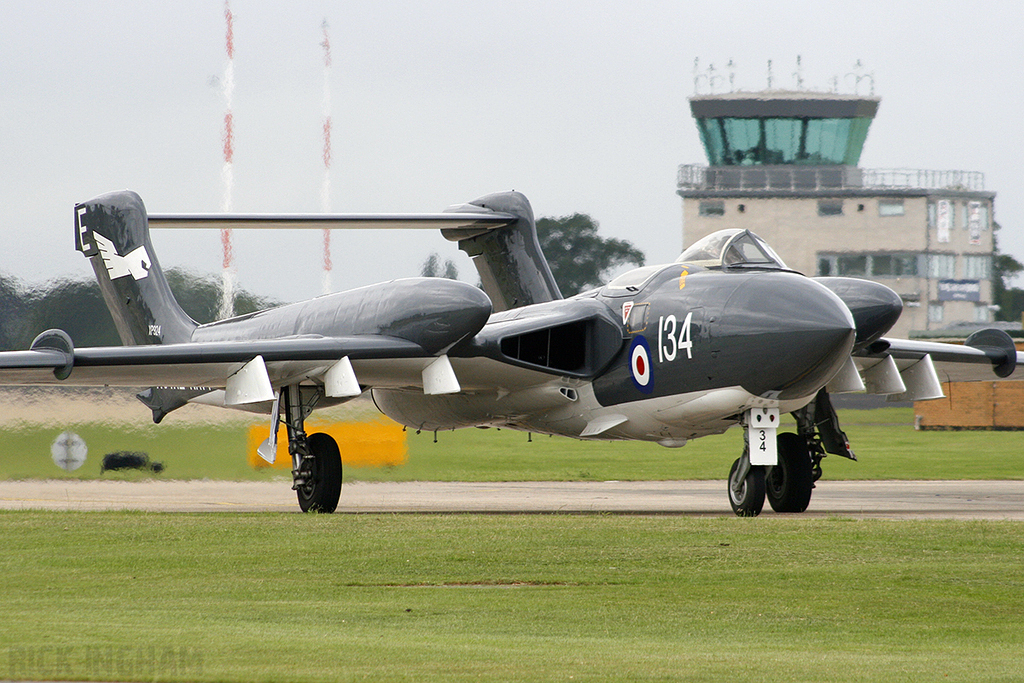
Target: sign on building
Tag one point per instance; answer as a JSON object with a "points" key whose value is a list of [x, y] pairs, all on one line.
{"points": [[959, 290]]}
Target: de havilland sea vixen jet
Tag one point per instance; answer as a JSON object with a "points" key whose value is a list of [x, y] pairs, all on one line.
{"points": [[725, 335]]}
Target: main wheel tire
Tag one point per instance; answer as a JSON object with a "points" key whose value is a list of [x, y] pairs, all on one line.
{"points": [[789, 484], [748, 501], [323, 489]]}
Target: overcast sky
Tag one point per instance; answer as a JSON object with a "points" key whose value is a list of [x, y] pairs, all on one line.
{"points": [[580, 105]]}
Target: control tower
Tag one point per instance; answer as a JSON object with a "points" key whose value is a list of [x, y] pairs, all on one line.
{"points": [[786, 166]]}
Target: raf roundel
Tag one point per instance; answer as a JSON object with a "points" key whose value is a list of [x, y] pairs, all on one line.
{"points": [[640, 364]]}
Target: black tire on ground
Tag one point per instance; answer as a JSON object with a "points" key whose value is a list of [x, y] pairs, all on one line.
{"points": [[322, 492], [789, 484], [749, 501]]}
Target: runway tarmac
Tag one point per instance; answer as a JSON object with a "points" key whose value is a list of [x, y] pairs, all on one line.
{"points": [[995, 500]]}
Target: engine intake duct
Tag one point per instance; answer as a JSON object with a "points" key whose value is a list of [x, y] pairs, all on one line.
{"points": [[576, 342]]}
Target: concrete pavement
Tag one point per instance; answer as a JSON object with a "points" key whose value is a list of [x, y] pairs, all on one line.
{"points": [[862, 499]]}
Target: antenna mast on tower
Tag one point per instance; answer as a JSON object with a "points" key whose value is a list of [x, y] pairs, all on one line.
{"points": [[227, 302], [325, 190]]}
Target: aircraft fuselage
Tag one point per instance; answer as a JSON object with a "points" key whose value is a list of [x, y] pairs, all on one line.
{"points": [[674, 357]]}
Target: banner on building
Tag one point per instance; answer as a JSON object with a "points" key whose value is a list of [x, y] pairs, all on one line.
{"points": [[974, 221], [944, 219]]}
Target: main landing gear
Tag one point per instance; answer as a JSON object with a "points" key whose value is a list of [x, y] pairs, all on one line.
{"points": [[788, 484], [316, 460]]}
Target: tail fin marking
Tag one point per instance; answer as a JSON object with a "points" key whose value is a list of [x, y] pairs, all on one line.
{"points": [[113, 232]]}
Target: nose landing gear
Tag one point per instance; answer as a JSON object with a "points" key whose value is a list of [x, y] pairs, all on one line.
{"points": [[788, 484]]}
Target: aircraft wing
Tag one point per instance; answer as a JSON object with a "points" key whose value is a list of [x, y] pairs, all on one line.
{"points": [[908, 369], [956, 363], [53, 360]]}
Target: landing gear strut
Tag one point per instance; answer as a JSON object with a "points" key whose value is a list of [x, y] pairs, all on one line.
{"points": [[316, 460]]}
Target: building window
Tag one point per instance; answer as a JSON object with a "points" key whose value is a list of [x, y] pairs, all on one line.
{"points": [[712, 208], [894, 265], [982, 314], [935, 311], [942, 265], [856, 265], [977, 267], [870, 265], [890, 207], [830, 207]]}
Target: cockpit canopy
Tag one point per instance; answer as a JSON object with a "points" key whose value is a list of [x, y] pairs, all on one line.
{"points": [[735, 248], [725, 249]]}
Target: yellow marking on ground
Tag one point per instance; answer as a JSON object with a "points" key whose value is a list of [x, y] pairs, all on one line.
{"points": [[377, 443]]}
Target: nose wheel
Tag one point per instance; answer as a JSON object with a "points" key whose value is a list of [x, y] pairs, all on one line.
{"points": [[746, 487], [788, 484]]}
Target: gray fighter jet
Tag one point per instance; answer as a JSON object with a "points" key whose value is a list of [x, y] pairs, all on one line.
{"points": [[725, 336]]}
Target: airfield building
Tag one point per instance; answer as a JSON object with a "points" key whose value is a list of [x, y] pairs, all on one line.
{"points": [[785, 166]]}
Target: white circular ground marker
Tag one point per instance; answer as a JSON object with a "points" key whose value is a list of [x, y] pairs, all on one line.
{"points": [[68, 451]]}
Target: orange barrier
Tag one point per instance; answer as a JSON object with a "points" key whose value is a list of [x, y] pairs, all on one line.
{"points": [[380, 443]]}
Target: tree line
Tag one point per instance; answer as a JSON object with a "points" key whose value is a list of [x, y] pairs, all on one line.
{"points": [[1004, 269], [78, 308]]}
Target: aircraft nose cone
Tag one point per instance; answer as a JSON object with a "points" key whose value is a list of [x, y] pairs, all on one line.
{"points": [[791, 334]]}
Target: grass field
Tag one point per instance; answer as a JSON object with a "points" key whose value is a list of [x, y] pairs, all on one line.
{"points": [[884, 439], [285, 597]]}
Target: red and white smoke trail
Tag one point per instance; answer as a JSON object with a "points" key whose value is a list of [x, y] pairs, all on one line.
{"points": [[227, 303], [325, 190]]}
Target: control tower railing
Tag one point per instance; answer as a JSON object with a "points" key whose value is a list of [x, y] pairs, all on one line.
{"points": [[796, 177]]}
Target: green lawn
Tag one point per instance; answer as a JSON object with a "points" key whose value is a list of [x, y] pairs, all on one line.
{"points": [[886, 443], [287, 597]]}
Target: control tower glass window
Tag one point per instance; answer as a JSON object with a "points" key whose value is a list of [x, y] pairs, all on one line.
{"points": [[769, 141]]}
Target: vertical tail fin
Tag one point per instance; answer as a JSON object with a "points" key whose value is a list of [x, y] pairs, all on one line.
{"points": [[512, 266], [113, 232]]}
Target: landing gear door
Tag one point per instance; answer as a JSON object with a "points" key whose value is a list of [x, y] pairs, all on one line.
{"points": [[762, 427]]}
